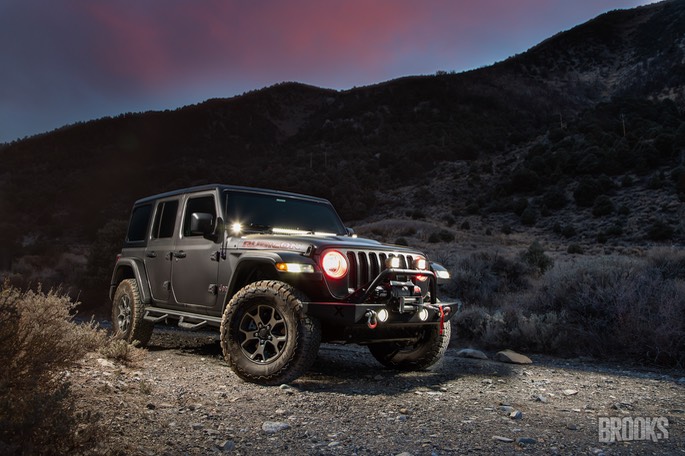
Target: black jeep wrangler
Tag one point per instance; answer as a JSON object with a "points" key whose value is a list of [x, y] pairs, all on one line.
{"points": [[278, 273]]}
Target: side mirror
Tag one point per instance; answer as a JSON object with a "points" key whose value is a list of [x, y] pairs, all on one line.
{"points": [[201, 224], [350, 232]]}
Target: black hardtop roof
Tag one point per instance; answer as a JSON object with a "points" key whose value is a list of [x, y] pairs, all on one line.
{"points": [[223, 187]]}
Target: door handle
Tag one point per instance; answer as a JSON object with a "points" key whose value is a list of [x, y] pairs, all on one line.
{"points": [[179, 254], [151, 254]]}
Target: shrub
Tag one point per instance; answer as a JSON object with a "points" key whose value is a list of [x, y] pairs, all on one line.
{"points": [[617, 307], [38, 342], [602, 206], [555, 198], [575, 249], [535, 257], [482, 276], [465, 225], [121, 351], [529, 216], [660, 231], [473, 209], [401, 241], [568, 231]]}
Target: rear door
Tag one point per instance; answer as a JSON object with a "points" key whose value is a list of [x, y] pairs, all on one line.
{"points": [[160, 248]]}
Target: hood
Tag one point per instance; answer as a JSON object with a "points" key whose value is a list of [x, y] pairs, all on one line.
{"points": [[302, 243]]}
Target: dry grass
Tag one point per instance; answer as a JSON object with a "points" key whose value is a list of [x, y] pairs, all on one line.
{"points": [[39, 341]]}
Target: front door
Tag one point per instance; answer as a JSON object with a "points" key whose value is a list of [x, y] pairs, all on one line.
{"points": [[195, 263]]}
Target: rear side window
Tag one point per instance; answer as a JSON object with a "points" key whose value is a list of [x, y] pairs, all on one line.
{"points": [[137, 227], [165, 219]]}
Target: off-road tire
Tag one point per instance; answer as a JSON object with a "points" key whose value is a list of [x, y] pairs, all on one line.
{"points": [[266, 337], [127, 314], [424, 353]]}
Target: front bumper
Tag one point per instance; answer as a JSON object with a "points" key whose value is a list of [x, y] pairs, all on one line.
{"points": [[391, 306]]}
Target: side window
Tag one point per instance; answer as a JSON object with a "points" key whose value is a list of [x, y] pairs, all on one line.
{"points": [[165, 218], [202, 204], [137, 227]]}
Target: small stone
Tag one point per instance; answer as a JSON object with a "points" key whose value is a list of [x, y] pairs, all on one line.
{"points": [[510, 356], [404, 411], [196, 426], [499, 438], [471, 353], [271, 427], [572, 427], [378, 377], [526, 441], [333, 444], [227, 446], [540, 398], [570, 392], [150, 406], [506, 409], [516, 415], [105, 363]]}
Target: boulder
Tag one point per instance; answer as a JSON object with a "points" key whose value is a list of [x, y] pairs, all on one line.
{"points": [[510, 356]]}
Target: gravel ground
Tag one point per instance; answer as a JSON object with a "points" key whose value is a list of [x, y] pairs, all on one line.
{"points": [[181, 398]]}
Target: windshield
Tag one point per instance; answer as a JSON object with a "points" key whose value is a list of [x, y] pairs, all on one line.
{"points": [[280, 214]]}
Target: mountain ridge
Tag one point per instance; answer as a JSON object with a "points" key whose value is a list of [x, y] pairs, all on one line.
{"points": [[602, 101]]}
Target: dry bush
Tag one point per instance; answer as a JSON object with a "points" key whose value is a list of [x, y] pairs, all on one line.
{"points": [[617, 307], [121, 351], [38, 342], [482, 278], [614, 307]]}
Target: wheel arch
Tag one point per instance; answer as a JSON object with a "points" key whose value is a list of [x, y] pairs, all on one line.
{"points": [[250, 270], [130, 268]]}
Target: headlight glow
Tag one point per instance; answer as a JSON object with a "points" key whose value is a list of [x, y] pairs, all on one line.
{"points": [[334, 264], [392, 262]]}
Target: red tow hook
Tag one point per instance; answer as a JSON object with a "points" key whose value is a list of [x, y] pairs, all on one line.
{"points": [[371, 320], [442, 319]]}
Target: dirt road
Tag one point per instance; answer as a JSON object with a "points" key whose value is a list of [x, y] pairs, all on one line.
{"points": [[183, 399]]}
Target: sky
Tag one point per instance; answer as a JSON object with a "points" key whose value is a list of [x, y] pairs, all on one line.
{"points": [[67, 61]]}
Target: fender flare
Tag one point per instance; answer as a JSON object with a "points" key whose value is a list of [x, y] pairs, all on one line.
{"points": [[131, 268]]}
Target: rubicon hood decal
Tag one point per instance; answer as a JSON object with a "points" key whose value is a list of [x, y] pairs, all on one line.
{"points": [[266, 244]]}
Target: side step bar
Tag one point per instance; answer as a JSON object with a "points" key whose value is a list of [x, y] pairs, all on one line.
{"points": [[156, 314]]}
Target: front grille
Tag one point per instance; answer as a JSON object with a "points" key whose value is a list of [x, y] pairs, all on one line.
{"points": [[364, 265]]}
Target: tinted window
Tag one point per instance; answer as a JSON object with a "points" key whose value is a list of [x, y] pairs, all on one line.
{"points": [[165, 219], [257, 212], [203, 204], [137, 227]]}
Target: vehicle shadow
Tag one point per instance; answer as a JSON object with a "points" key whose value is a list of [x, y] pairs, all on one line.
{"points": [[346, 369], [351, 369]]}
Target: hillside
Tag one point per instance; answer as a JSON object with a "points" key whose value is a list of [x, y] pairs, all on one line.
{"points": [[580, 140]]}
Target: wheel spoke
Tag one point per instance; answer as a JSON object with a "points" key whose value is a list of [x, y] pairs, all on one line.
{"points": [[263, 333]]}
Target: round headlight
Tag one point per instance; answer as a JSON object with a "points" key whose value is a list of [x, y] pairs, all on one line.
{"points": [[334, 264]]}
